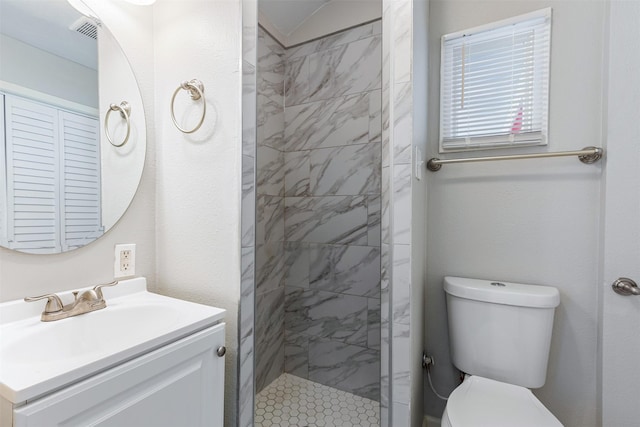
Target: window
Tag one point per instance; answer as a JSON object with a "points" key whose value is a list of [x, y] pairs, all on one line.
{"points": [[495, 84]]}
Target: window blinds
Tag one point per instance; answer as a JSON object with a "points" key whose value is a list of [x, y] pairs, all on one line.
{"points": [[495, 84]]}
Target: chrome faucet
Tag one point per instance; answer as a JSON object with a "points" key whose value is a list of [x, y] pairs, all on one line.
{"points": [[90, 300]]}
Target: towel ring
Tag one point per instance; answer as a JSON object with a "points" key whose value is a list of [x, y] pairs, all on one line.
{"points": [[125, 113], [196, 91]]}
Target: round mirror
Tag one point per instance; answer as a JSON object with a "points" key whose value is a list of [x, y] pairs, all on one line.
{"points": [[72, 128]]}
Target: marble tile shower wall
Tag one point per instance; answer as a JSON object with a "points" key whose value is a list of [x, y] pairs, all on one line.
{"points": [[318, 210], [332, 184], [269, 280], [246, 382]]}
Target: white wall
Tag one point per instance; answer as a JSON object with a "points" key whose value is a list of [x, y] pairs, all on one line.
{"points": [[533, 221], [23, 274], [199, 175], [36, 69]]}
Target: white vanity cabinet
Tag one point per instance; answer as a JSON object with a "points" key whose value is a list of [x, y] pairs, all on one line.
{"points": [[180, 384], [144, 360]]}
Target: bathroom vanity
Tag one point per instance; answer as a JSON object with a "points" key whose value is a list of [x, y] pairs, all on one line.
{"points": [[144, 360]]}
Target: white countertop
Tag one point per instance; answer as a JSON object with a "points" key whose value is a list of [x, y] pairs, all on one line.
{"points": [[38, 357]]}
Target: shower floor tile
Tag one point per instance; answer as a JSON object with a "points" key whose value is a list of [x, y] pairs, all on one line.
{"points": [[294, 401]]}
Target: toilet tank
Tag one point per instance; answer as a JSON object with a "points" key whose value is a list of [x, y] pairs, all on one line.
{"points": [[501, 330]]}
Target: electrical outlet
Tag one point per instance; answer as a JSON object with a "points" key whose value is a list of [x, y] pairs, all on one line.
{"points": [[125, 261]]}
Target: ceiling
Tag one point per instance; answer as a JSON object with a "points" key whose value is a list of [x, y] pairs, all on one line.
{"points": [[287, 15], [45, 25]]}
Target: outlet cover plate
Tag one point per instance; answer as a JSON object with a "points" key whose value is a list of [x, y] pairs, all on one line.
{"points": [[124, 264]]}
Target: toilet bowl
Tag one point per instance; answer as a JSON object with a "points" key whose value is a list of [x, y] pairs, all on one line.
{"points": [[481, 402], [500, 336]]}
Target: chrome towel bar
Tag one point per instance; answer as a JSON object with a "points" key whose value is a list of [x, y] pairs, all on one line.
{"points": [[587, 155]]}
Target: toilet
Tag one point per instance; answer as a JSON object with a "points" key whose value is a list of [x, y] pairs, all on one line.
{"points": [[499, 334]]}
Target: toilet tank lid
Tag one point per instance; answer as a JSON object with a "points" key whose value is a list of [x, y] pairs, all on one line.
{"points": [[499, 292]]}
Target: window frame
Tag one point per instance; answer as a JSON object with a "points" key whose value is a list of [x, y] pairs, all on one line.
{"points": [[501, 141]]}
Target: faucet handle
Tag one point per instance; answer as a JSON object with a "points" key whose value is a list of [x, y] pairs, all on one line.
{"points": [[54, 303], [98, 288]]}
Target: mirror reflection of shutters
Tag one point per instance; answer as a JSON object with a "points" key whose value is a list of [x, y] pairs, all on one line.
{"points": [[33, 188], [53, 177], [80, 157]]}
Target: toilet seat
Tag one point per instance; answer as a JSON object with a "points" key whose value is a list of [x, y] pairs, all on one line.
{"points": [[481, 402]]}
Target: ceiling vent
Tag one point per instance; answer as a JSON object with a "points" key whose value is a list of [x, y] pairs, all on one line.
{"points": [[86, 27]]}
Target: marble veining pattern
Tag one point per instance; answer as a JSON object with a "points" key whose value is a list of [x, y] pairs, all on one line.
{"points": [[385, 325], [270, 128], [402, 204], [296, 268], [403, 123], [344, 37], [270, 218], [339, 317], [375, 116], [248, 201], [347, 69], [246, 315], [385, 205], [401, 377], [346, 367], [397, 136], [345, 269], [373, 320], [269, 337], [374, 219], [296, 83], [270, 177], [246, 336], [329, 123], [401, 284], [296, 353], [319, 203], [296, 173], [402, 40], [333, 219], [333, 161], [350, 170], [269, 266]]}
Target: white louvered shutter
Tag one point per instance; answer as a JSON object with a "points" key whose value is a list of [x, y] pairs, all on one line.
{"points": [[495, 84], [80, 176], [3, 178], [33, 193]]}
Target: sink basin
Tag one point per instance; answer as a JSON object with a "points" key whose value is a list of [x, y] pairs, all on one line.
{"points": [[37, 357]]}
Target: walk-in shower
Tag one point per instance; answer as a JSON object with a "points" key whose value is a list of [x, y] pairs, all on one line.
{"points": [[318, 235]]}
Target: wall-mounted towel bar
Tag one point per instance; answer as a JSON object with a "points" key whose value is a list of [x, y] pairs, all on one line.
{"points": [[586, 155]]}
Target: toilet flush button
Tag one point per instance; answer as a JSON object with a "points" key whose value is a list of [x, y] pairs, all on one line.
{"points": [[502, 285]]}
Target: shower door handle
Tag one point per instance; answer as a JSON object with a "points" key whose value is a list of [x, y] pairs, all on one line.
{"points": [[625, 286]]}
